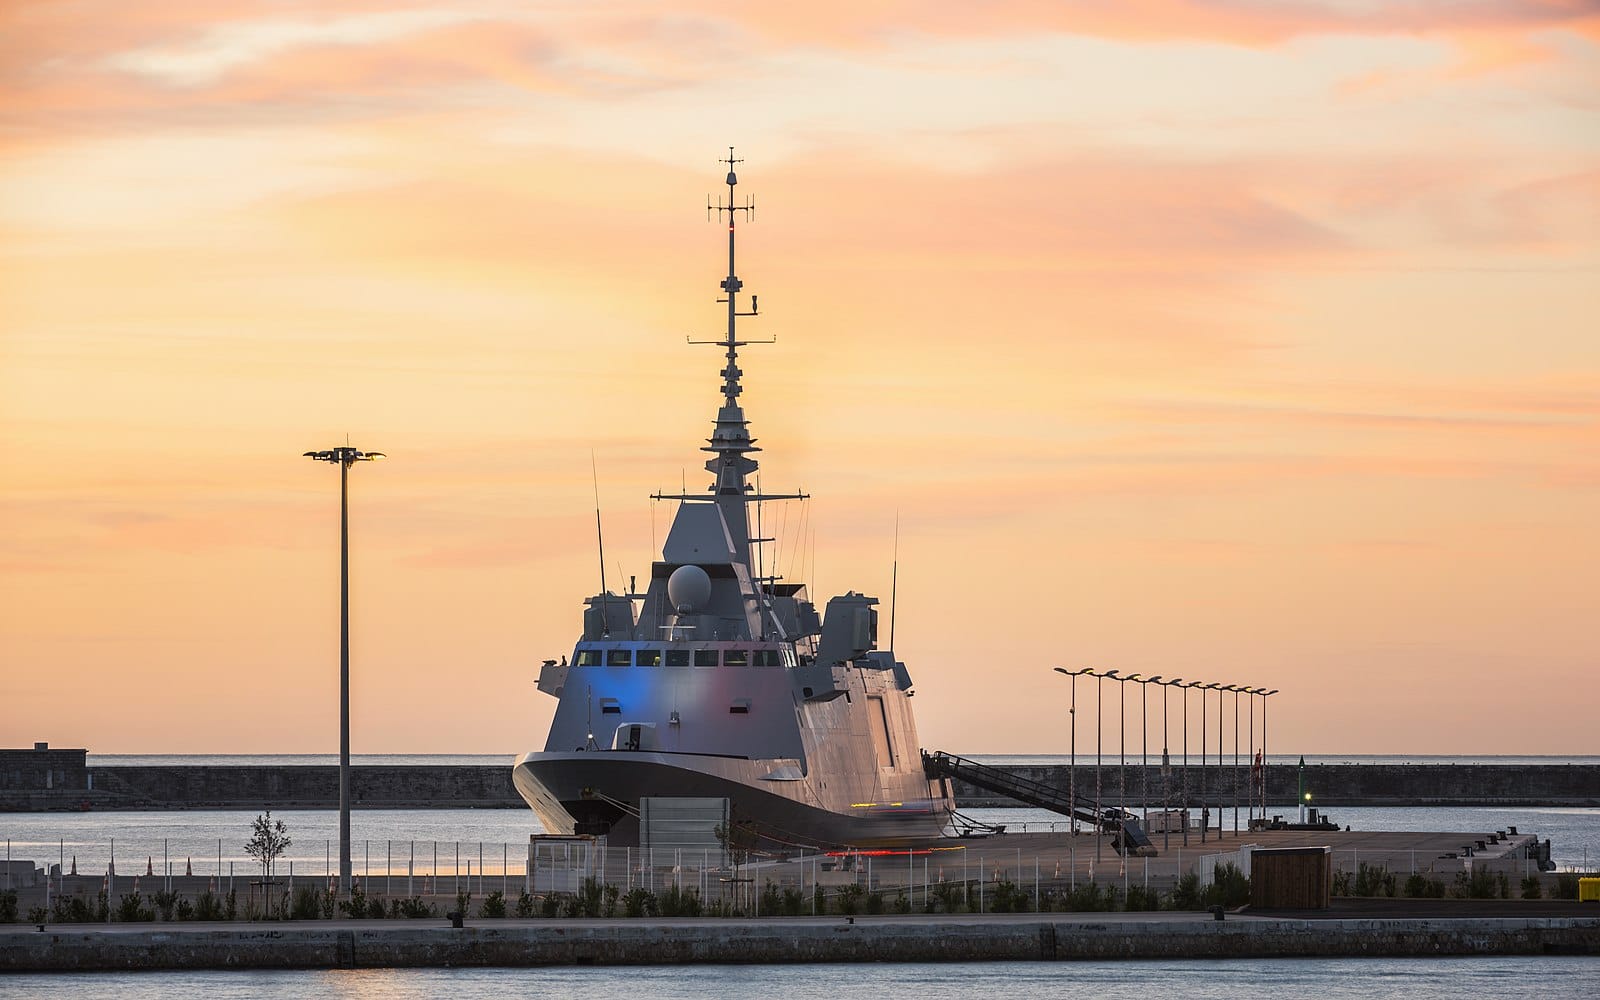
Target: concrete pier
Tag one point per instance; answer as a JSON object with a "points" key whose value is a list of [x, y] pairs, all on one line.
{"points": [[368, 944]]}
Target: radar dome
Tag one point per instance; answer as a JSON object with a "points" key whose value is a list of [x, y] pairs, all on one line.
{"points": [[688, 588]]}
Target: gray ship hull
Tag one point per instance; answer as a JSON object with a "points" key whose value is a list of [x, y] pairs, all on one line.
{"points": [[578, 792]]}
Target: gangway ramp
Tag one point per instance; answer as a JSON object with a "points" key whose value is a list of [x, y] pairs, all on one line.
{"points": [[1128, 836]]}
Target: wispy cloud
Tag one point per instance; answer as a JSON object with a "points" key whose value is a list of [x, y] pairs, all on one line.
{"points": [[225, 47]]}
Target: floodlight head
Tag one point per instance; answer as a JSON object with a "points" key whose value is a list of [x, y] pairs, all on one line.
{"points": [[345, 455], [1108, 673], [1153, 680]]}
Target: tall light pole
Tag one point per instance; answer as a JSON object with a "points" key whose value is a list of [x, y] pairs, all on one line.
{"points": [[1166, 768], [1099, 815], [1236, 689], [1144, 726], [1220, 688], [1122, 753], [1204, 749], [344, 458], [1264, 760], [1255, 773], [1185, 780], [1072, 770]]}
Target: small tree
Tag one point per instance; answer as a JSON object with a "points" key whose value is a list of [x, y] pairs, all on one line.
{"points": [[269, 838]]}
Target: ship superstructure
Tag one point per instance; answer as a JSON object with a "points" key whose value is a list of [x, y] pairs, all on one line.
{"points": [[720, 680]]}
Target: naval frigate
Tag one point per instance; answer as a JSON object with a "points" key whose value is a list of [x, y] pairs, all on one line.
{"points": [[722, 681]]}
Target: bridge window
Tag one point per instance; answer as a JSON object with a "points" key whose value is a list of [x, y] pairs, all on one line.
{"points": [[705, 657], [768, 658], [736, 658], [619, 658], [588, 658], [647, 657], [677, 657]]}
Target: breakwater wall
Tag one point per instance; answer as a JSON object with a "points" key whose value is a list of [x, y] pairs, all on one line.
{"points": [[478, 786], [781, 941], [1329, 784], [202, 786]]}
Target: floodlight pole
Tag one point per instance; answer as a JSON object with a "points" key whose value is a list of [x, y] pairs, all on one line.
{"points": [[1264, 759], [344, 457], [1255, 771], [1235, 760], [1072, 770], [1099, 814], [1166, 769], [1203, 751], [1220, 765], [1184, 781]]}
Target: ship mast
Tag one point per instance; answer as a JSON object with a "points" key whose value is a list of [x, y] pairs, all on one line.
{"points": [[731, 444]]}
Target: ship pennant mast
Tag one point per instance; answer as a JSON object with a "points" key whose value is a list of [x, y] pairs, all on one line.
{"points": [[730, 443]]}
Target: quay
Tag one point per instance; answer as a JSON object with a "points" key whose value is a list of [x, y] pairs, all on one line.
{"points": [[939, 938], [1029, 872]]}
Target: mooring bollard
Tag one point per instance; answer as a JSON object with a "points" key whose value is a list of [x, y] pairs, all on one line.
{"points": [[457, 919], [1218, 913]]}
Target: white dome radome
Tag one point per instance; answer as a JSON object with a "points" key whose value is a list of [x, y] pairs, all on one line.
{"points": [[688, 588]]}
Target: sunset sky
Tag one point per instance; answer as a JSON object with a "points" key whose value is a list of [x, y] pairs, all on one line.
{"points": [[1239, 341]]}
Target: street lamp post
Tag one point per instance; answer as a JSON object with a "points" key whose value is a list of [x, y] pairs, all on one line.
{"points": [[1256, 764], [344, 458], [1264, 759], [1122, 754], [1236, 690], [1072, 770], [1166, 769], [1144, 762], [1204, 750], [1184, 781], [1099, 814], [1219, 689], [1250, 800]]}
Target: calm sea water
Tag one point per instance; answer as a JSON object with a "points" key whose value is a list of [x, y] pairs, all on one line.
{"points": [[501, 835], [1336, 979]]}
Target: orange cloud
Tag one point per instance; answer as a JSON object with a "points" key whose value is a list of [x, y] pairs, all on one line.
{"points": [[89, 66]]}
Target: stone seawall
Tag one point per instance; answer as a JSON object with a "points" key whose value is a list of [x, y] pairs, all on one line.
{"points": [[201, 786], [467, 786], [1330, 784], [878, 939]]}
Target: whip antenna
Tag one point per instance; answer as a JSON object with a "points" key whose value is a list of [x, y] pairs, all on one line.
{"points": [[894, 580], [600, 538]]}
